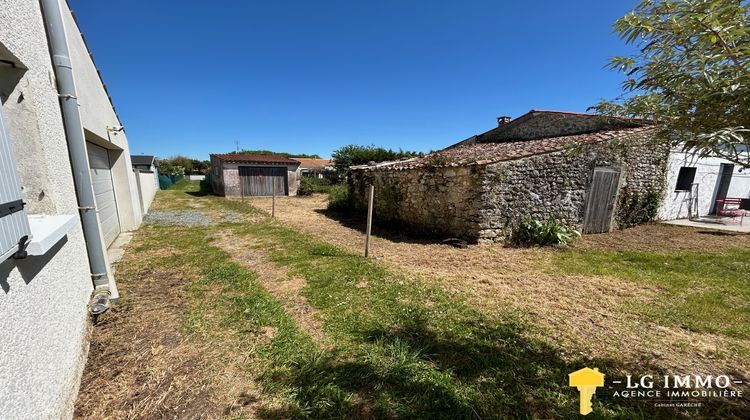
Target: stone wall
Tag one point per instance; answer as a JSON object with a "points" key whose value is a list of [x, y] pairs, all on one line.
{"points": [[555, 185], [431, 202], [486, 203], [543, 124]]}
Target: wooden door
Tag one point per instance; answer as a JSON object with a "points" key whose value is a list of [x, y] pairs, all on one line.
{"points": [[601, 200], [722, 188], [262, 181]]}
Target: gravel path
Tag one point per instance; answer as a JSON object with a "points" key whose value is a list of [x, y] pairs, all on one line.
{"points": [[188, 218]]}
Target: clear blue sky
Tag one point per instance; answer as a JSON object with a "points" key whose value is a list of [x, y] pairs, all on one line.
{"points": [[192, 77]]}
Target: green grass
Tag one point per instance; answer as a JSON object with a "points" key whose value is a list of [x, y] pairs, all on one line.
{"points": [[398, 348], [706, 292]]}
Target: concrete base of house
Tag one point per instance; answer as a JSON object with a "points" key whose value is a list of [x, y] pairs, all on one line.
{"points": [[725, 224]]}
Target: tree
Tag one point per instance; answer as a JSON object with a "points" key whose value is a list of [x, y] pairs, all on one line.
{"points": [[690, 75], [181, 165], [354, 154]]}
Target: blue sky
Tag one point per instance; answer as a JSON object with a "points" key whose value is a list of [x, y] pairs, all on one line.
{"points": [[194, 77]]}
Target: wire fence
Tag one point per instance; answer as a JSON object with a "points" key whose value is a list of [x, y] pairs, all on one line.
{"points": [[166, 181]]}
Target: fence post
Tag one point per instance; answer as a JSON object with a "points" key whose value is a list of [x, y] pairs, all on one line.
{"points": [[370, 200], [273, 199]]}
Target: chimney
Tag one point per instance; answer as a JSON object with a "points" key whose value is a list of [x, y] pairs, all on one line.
{"points": [[503, 120]]}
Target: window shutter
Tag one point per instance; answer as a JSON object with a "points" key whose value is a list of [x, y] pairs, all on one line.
{"points": [[14, 225]]}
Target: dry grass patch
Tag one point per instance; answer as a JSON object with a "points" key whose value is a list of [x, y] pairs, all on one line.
{"points": [[597, 315], [253, 254]]}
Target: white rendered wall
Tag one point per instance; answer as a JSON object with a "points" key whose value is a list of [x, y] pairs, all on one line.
{"points": [[97, 114], [674, 203], [43, 315], [148, 188]]}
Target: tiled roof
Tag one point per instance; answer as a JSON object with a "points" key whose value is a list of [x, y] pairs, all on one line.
{"points": [[267, 159], [486, 153], [313, 163]]}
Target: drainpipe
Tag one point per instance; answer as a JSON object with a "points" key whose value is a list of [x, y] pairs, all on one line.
{"points": [[78, 154]]}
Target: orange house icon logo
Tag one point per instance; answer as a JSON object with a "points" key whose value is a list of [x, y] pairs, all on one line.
{"points": [[586, 380]]}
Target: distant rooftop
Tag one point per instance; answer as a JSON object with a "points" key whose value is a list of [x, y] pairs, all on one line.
{"points": [[142, 159], [313, 163]]}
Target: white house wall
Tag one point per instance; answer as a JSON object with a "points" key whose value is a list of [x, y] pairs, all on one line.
{"points": [[43, 315], [97, 114], [675, 203]]}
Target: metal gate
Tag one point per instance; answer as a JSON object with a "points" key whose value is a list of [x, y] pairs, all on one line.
{"points": [[104, 192], [262, 180], [601, 200]]}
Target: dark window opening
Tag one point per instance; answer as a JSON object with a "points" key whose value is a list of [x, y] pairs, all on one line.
{"points": [[685, 179]]}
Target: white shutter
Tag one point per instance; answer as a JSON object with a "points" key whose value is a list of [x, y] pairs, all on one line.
{"points": [[14, 224]]}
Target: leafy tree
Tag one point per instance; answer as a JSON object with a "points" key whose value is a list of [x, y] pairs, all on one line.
{"points": [[271, 153], [691, 73], [181, 165], [354, 154]]}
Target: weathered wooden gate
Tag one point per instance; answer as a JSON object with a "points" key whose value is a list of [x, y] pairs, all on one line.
{"points": [[601, 200], [263, 181]]}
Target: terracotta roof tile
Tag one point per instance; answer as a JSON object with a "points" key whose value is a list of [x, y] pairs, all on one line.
{"points": [[313, 163], [486, 153], [269, 159]]}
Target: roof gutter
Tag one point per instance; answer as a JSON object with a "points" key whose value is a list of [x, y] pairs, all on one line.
{"points": [[76, 140]]}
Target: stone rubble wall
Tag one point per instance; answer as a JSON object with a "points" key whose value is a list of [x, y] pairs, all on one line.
{"points": [[555, 185], [441, 202], [487, 203]]}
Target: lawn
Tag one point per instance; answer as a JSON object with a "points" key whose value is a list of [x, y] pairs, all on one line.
{"points": [[310, 329], [703, 292]]}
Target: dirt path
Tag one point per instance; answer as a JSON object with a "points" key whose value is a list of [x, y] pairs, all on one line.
{"points": [[500, 278], [254, 255], [142, 363]]}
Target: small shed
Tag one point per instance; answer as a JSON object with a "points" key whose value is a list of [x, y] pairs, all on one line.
{"points": [[601, 174], [240, 175]]}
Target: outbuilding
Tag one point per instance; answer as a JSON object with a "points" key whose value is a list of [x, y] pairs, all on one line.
{"points": [[590, 172], [240, 175]]}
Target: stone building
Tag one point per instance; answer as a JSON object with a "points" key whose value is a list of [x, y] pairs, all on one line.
{"points": [[590, 172]]}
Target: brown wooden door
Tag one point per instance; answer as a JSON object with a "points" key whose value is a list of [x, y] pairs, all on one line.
{"points": [[262, 181], [601, 200]]}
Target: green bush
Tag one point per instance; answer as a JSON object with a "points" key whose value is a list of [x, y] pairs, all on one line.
{"points": [[548, 233], [314, 185], [338, 197]]}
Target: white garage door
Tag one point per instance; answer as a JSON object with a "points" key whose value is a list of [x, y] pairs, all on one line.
{"points": [[104, 191]]}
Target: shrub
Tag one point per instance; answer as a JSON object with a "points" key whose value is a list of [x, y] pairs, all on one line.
{"points": [[548, 233], [338, 197], [314, 185]]}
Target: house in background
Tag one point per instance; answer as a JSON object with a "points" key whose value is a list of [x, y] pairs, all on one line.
{"points": [[239, 175], [144, 163], [591, 172], [147, 175], [694, 185], [67, 190], [314, 168]]}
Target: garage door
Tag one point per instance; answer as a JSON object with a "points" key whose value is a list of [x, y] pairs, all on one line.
{"points": [[258, 180], [104, 192]]}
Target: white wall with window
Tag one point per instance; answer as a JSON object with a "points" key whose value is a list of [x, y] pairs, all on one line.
{"points": [[693, 184]]}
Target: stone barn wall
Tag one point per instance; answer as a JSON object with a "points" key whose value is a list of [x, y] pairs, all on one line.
{"points": [[487, 203], [555, 185], [429, 201]]}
